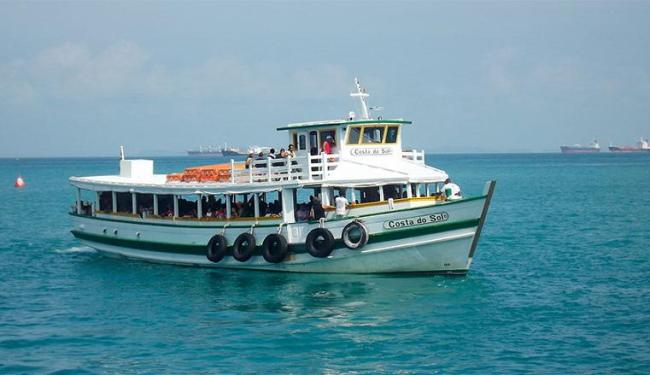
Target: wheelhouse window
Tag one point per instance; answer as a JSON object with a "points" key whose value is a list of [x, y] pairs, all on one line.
{"points": [[354, 133], [391, 134], [373, 134]]}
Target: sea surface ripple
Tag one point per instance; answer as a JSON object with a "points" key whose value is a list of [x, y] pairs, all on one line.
{"points": [[560, 284]]}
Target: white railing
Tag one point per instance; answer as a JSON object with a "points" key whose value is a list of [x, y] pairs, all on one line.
{"points": [[414, 155], [319, 166], [304, 168], [266, 170]]}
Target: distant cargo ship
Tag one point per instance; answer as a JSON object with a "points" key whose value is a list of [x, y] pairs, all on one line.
{"points": [[579, 149], [642, 146], [216, 151]]}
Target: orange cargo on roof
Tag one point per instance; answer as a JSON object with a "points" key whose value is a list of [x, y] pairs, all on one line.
{"points": [[204, 173]]}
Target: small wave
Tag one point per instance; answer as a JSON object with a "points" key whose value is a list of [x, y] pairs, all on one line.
{"points": [[75, 249]]}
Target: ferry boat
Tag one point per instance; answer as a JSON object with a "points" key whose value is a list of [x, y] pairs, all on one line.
{"points": [[579, 149], [255, 216], [642, 146]]}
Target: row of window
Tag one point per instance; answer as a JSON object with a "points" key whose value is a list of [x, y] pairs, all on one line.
{"points": [[372, 134]]}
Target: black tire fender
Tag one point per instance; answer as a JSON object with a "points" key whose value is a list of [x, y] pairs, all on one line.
{"points": [[216, 248], [275, 248], [320, 242], [351, 243], [244, 246]]}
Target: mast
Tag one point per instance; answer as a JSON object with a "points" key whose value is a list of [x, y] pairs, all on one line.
{"points": [[362, 95]]}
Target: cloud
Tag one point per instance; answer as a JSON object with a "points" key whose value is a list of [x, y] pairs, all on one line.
{"points": [[74, 71]]}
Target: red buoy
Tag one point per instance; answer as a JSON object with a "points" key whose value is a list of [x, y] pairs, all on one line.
{"points": [[19, 182]]}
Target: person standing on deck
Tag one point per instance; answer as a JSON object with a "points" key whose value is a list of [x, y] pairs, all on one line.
{"points": [[451, 190], [327, 145], [291, 151], [317, 211], [341, 204]]}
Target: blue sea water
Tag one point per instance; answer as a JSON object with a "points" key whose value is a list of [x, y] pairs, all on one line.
{"points": [[560, 283]]}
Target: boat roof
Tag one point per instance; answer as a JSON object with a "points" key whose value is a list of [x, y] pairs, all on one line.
{"points": [[158, 184], [316, 124], [351, 173], [348, 173]]}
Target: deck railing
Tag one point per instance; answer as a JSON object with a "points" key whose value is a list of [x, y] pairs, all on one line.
{"points": [[302, 168], [267, 170]]}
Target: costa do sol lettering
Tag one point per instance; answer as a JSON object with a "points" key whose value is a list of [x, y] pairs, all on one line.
{"points": [[371, 151], [418, 220]]}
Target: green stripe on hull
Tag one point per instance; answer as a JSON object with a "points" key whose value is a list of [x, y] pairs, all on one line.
{"points": [[392, 235]]}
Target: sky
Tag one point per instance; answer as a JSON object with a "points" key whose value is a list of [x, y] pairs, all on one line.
{"points": [[83, 78]]}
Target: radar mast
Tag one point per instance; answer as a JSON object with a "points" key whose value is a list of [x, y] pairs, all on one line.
{"points": [[362, 95]]}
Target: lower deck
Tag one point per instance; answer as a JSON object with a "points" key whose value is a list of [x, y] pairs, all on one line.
{"points": [[430, 236]]}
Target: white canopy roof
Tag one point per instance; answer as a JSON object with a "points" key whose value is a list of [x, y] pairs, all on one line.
{"points": [[157, 185], [355, 173], [348, 173]]}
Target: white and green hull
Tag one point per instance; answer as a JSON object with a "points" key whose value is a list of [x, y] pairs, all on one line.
{"points": [[400, 240]]}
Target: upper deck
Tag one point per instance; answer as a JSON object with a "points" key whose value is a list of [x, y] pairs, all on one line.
{"points": [[271, 174], [347, 152]]}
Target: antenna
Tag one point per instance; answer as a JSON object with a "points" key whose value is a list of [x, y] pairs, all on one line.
{"points": [[362, 95]]}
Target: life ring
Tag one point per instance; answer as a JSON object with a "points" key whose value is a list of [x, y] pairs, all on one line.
{"points": [[243, 248], [320, 242], [355, 235], [217, 248], [274, 248]]}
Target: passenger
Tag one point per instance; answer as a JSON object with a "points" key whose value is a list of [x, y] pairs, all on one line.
{"points": [[451, 190], [249, 160], [280, 155], [302, 213], [341, 204], [272, 153], [260, 156], [327, 145], [317, 210], [291, 152], [277, 207]]}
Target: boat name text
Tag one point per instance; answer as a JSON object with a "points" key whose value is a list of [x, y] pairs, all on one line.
{"points": [[418, 220], [371, 151]]}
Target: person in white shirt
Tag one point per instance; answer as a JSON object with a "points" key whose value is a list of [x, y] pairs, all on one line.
{"points": [[451, 190], [341, 204]]}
